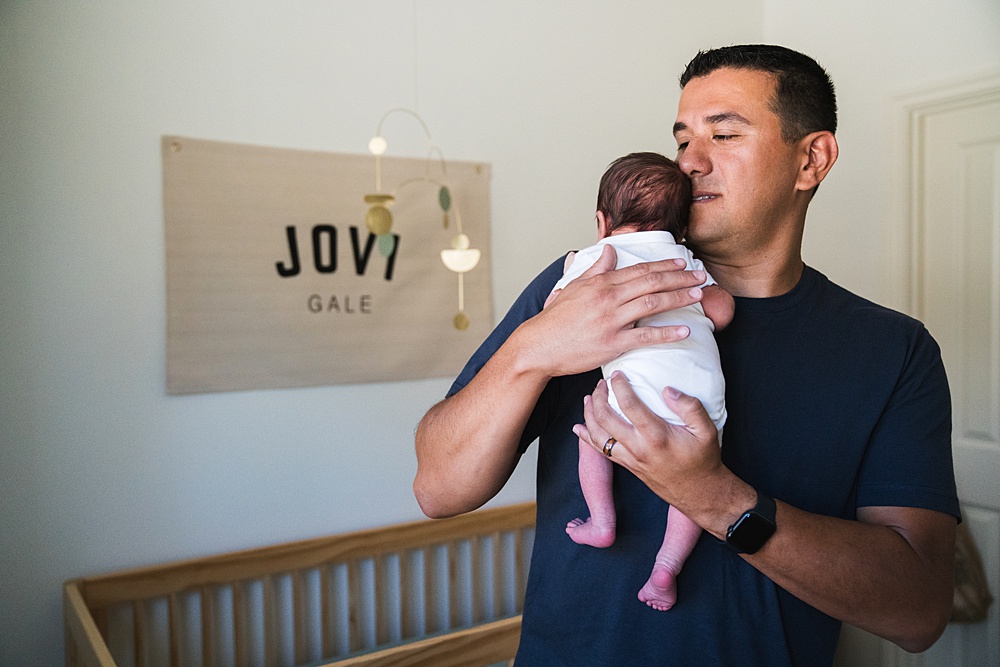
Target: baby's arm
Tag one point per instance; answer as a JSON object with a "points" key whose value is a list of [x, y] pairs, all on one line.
{"points": [[719, 306]]}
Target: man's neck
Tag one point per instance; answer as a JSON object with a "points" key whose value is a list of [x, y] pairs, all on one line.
{"points": [[761, 266], [758, 280]]}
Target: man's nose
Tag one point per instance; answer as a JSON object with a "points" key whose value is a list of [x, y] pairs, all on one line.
{"points": [[694, 159]]}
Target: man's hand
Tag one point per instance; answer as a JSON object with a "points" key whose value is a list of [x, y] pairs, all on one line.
{"points": [[681, 464], [593, 319]]}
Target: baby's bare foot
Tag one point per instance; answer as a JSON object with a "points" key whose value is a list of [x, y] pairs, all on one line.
{"points": [[588, 532], [660, 592]]}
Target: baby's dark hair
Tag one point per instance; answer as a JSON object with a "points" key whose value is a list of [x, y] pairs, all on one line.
{"points": [[645, 192]]}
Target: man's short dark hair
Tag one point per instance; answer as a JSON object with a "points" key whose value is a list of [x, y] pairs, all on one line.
{"points": [[804, 98], [645, 192]]}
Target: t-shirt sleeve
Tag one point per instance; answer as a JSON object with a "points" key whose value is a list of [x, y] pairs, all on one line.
{"points": [[909, 460], [527, 305]]}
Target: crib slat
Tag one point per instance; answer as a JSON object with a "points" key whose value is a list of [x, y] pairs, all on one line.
{"points": [[270, 622], [207, 628], [174, 629], [430, 602], [326, 612], [476, 578], [407, 622], [299, 618], [239, 626], [498, 579], [521, 571], [139, 632], [382, 595], [354, 608], [454, 603]]}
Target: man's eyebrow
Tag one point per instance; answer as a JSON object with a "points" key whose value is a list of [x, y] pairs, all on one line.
{"points": [[730, 116], [727, 116]]}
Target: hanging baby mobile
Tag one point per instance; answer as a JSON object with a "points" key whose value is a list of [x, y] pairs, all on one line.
{"points": [[460, 258]]}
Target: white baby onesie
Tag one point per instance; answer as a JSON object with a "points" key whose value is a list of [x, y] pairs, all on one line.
{"points": [[691, 365]]}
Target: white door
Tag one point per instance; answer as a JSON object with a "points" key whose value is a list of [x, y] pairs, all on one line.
{"points": [[958, 298], [949, 265]]}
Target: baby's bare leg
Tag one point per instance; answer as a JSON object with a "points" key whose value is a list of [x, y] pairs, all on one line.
{"points": [[660, 592], [595, 480]]}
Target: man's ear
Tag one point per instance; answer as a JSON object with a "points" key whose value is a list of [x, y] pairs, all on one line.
{"points": [[819, 152], [602, 225]]}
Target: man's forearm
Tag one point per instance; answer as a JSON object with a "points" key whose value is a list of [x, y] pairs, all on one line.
{"points": [[893, 579], [467, 445]]}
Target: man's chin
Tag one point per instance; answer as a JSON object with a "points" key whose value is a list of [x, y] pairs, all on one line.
{"points": [[701, 238], [699, 230]]}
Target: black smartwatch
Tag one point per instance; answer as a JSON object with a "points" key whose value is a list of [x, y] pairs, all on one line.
{"points": [[752, 530]]}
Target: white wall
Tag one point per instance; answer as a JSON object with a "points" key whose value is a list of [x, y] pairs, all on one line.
{"points": [[99, 468]]}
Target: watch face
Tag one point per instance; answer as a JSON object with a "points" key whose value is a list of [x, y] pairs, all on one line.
{"points": [[750, 533]]}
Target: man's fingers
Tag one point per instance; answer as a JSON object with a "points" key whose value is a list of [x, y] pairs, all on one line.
{"points": [[664, 274], [661, 274], [593, 320], [628, 402], [631, 293], [677, 293], [689, 409], [603, 422], [646, 336], [596, 433]]}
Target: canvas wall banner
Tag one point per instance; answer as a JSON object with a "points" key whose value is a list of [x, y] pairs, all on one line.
{"points": [[274, 280]]}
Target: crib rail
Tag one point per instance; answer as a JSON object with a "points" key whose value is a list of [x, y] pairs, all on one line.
{"points": [[445, 592]]}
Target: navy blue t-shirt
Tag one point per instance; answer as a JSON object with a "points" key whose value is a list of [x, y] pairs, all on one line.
{"points": [[834, 403]]}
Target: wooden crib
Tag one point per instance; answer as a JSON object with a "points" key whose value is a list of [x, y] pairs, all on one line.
{"points": [[441, 593]]}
